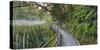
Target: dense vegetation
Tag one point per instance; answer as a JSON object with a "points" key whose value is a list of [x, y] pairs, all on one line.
{"points": [[34, 36], [78, 20], [83, 24]]}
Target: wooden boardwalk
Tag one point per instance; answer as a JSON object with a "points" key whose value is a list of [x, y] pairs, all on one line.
{"points": [[64, 38]]}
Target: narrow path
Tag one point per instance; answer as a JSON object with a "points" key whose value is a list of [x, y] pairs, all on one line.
{"points": [[65, 38]]}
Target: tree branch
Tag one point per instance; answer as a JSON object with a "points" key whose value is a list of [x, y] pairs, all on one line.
{"points": [[42, 7], [31, 3]]}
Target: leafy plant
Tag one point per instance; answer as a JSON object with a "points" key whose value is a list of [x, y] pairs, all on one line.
{"points": [[34, 36]]}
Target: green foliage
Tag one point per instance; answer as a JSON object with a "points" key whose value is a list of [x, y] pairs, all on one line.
{"points": [[24, 10], [60, 12], [34, 36], [83, 24]]}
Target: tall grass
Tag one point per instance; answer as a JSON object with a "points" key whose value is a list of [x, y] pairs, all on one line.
{"points": [[83, 24], [35, 36]]}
